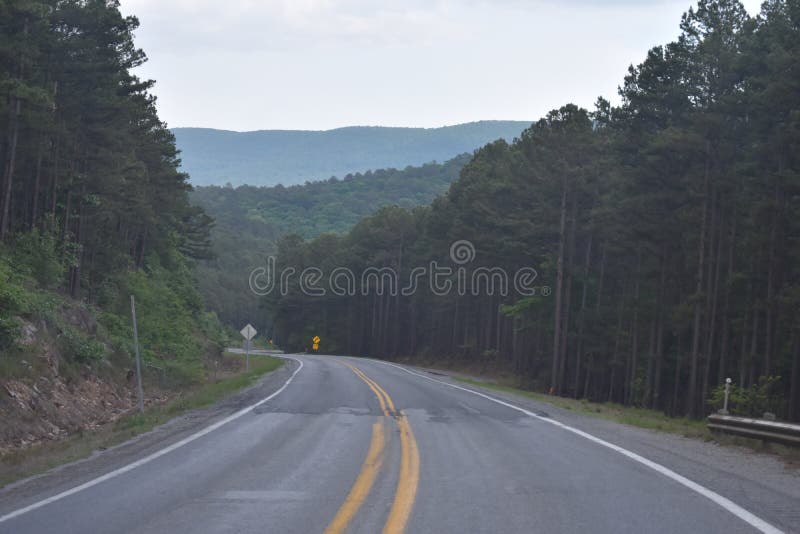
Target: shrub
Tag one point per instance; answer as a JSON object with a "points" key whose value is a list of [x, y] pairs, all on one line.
{"points": [[36, 254], [752, 401], [79, 347]]}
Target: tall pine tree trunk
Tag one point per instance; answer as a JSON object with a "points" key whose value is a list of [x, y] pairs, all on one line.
{"points": [[582, 315], [559, 289], [12, 139], [567, 298], [692, 397]]}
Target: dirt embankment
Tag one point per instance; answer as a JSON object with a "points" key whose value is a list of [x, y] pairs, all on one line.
{"points": [[43, 398]]}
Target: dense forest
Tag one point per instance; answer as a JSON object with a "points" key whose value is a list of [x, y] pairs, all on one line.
{"points": [[291, 157], [92, 204], [249, 221], [666, 229]]}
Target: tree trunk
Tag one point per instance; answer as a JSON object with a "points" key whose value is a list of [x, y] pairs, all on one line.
{"points": [[768, 326], [634, 357], [567, 298], [723, 351], [37, 185], [602, 277], [692, 398], [14, 110], [582, 315], [559, 289], [12, 139], [794, 383], [617, 341], [712, 322]]}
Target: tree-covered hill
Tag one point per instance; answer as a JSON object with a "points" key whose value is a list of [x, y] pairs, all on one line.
{"points": [[249, 220], [270, 157]]}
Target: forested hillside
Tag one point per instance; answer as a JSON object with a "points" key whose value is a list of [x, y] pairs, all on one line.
{"points": [[664, 232], [92, 210], [270, 157], [249, 220]]}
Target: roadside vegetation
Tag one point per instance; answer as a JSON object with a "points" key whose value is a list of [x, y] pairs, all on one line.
{"points": [[93, 209], [644, 418]]}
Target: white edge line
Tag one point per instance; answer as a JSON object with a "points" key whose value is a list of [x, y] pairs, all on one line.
{"points": [[730, 506], [153, 456]]}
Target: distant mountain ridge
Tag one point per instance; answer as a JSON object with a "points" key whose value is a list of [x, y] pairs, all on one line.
{"points": [[270, 157]]}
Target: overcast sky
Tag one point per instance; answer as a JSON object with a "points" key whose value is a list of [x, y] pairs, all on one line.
{"points": [[321, 64]]}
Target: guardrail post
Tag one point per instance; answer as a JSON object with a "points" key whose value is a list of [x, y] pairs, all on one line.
{"points": [[724, 410]]}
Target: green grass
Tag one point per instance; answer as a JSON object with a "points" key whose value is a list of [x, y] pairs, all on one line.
{"points": [[200, 397], [639, 417], [38, 459]]}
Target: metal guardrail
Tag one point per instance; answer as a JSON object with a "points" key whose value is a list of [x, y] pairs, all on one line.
{"points": [[763, 429]]}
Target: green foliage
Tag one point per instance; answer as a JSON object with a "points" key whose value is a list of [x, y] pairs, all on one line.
{"points": [[94, 206], [171, 327], [12, 302], [752, 401], [249, 221], [80, 347], [37, 255]]}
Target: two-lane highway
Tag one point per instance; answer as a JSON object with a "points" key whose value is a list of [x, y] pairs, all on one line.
{"points": [[353, 445]]}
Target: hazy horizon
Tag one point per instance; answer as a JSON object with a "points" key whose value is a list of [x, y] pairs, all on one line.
{"points": [[345, 127]]}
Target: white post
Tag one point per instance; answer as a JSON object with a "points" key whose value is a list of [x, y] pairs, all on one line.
{"points": [[724, 410], [247, 356], [138, 363]]}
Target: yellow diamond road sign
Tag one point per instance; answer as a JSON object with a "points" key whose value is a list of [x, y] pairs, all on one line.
{"points": [[315, 339]]}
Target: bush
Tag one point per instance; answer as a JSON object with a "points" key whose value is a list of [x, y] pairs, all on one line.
{"points": [[752, 401], [79, 347], [9, 331], [36, 254], [12, 302]]}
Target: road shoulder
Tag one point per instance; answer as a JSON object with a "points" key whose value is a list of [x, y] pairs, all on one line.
{"points": [[758, 482], [75, 473]]}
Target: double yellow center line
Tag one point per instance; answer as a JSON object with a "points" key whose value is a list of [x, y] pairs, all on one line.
{"points": [[408, 480]]}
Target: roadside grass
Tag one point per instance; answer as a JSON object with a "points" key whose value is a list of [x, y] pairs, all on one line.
{"points": [[639, 417], [649, 419], [40, 458]]}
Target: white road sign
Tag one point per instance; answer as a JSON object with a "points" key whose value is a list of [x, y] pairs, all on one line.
{"points": [[248, 332]]}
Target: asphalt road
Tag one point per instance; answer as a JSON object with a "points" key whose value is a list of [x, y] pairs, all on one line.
{"points": [[352, 445]]}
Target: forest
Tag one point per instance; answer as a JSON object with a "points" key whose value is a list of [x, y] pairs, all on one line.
{"points": [[666, 228], [93, 207], [249, 221]]}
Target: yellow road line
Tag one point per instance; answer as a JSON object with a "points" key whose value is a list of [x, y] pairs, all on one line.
{"points": [[373, 386], [379, 391], [360, 490], [407, 483]]}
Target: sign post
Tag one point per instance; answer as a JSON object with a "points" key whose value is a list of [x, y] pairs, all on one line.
{"points": [[315, 340], [138, 362], [248, 332]]}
